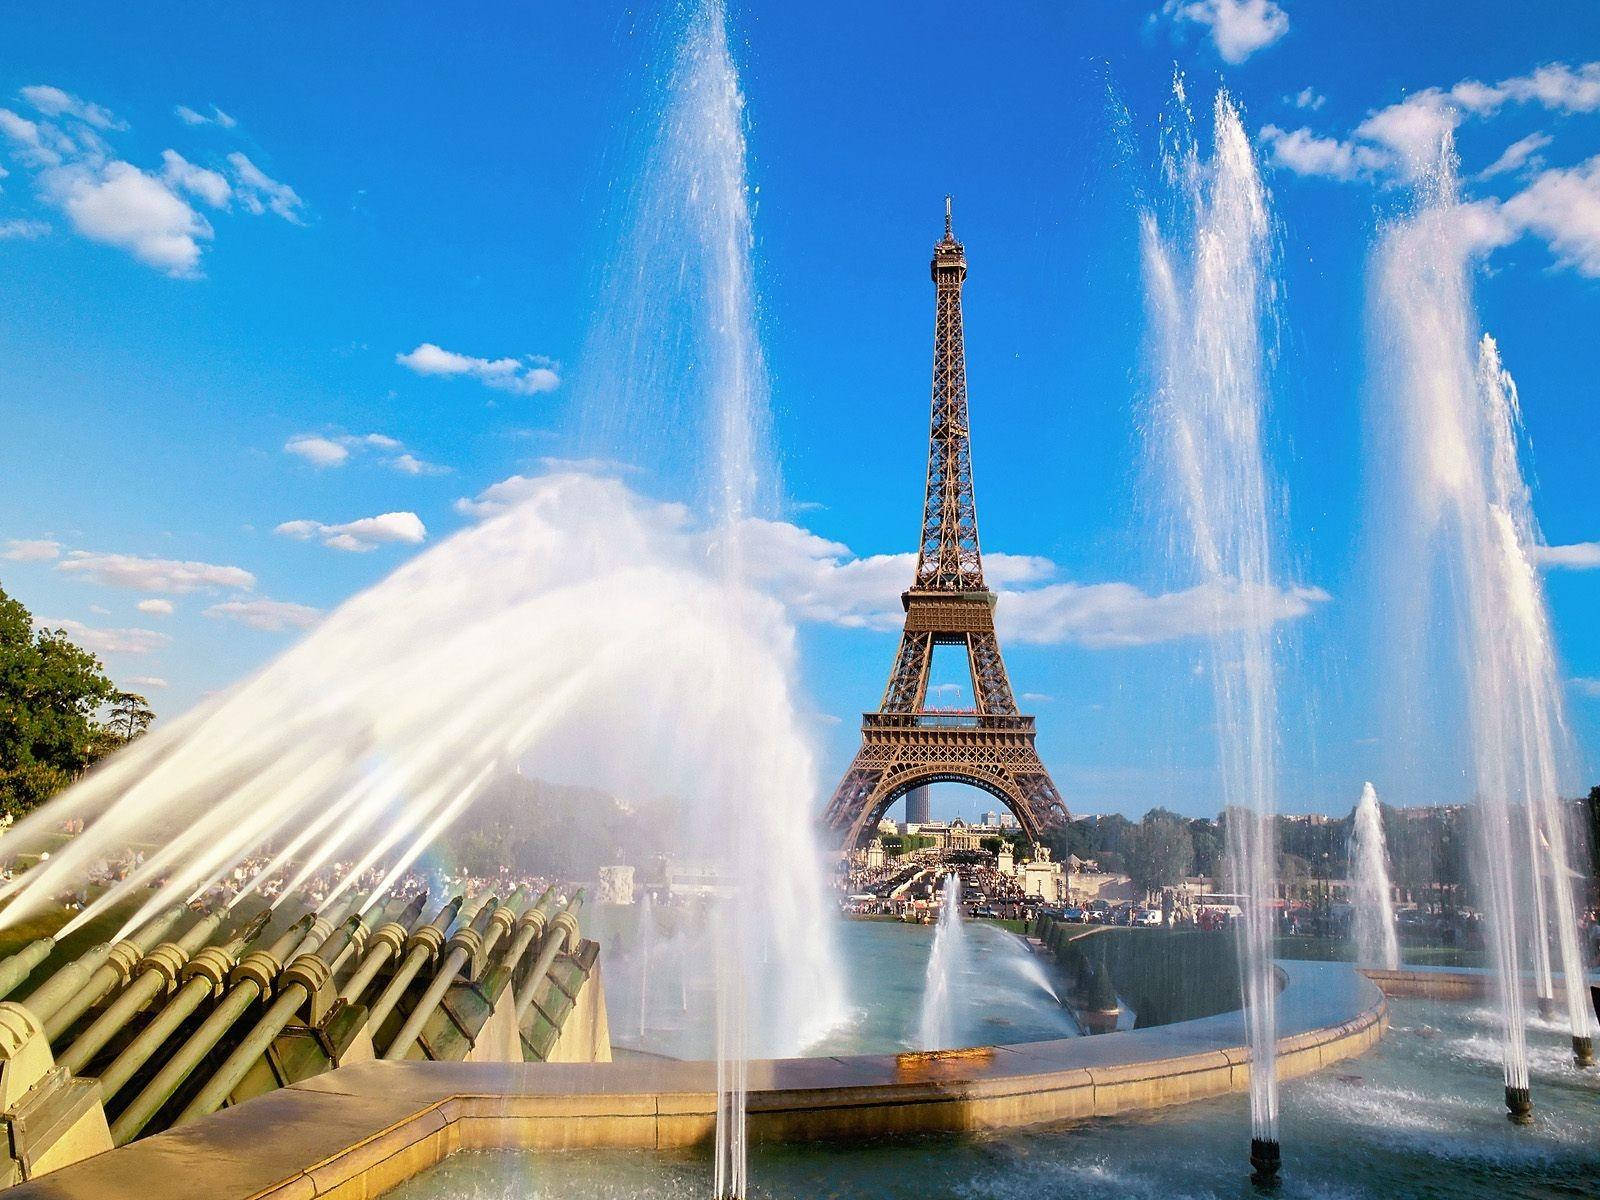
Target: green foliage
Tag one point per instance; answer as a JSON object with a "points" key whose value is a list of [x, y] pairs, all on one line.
{"points": [[1159, 851], [50, 691]]}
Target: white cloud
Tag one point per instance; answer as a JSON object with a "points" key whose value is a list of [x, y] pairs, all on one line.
{"points": [[108, 641], [269, 616], [1586, 686], [29, 140], [171, 576], [1307, 98], [31, 550], [23, 229], [824, 582], [362, 535], [209, 185], [318, 451], [335, 451], [156, 608], [259, 192], [190, 117], [1562, 206], [410, 464], [524, 376], [1102, 615], [123, 206], [1304, 153], [53, 102], [1520, 153], [1579, 556], [146, 681], [1238, 27]]}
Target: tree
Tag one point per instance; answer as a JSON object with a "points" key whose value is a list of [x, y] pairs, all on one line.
{"points": [[50, 690], [1159, 851], [130, 716]]}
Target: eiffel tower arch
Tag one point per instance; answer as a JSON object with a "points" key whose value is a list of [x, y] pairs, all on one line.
{"points": [[905, 744]]}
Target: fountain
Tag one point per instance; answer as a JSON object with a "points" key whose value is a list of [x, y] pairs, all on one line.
{"points": [[644, 950], [1446, 418], [947, 965], [1372, 927], [1209, 292]]}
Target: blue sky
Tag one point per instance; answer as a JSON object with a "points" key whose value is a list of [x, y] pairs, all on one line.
{"points": [[262, 243]]}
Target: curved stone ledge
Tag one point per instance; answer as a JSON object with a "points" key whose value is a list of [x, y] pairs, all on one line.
{"points": [[359, 1130]]}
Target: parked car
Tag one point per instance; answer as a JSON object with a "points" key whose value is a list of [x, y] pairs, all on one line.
{"points": [[1078, 916], [1147, 916]]}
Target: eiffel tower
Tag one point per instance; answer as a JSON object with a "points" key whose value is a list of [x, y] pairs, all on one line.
{"points": [[905, 744]]}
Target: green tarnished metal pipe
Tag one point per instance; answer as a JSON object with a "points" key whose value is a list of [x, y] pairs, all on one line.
{"points": [[466, 944], [301, 979], [19, 966], [386, 942], [421, 947], [563, 932], [113, 973], [64, 984], [156, 973], [504, 917], [203, 975], [250, 980], [357, 945], [529, 926]]}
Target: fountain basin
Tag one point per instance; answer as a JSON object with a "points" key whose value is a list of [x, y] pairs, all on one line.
{"points": [[364, 1128]]}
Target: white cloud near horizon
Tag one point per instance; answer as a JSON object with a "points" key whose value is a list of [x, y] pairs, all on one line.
{"points": [[1238, 28], [53, 102], [107, 641], [526, 376], [163, 575], [31, 550], [824, 582], [1586, 686], [359, 536], [269, 616], [155, 607], [1578, 556], [1522, 152], [146, 681]]}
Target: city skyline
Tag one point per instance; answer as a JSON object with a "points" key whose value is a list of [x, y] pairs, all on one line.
{"points": [[249, 368]]}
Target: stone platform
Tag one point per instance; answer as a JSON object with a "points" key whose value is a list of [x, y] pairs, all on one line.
{"points": [[359, 1130]]}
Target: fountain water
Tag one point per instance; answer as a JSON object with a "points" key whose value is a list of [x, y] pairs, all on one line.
{"points": [[1028, 968], [644, 950], [946, 965], [1463, 530], [1372, 919], [1209, 290]]}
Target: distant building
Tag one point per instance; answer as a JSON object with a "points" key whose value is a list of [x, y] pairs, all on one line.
{"points": [[991, 820], [919, 805], [962, 836], [1007, 821], [886, 826], [616, 885]]}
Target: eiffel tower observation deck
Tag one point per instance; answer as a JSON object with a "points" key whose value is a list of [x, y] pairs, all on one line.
{"points": [[905, 744]]}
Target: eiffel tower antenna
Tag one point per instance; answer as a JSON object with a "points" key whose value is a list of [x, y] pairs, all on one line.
{"points": [[904, 744]]}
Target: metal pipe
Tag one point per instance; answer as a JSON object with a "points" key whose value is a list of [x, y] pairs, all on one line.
{"points": [[64, 984], [563, 932], [156, 973], [204, 974], [529, 926], [466, 944], [301, 979], [422, 946], [19, 966], [357, 945], [113, 973], [249, 978], [386, 942]]}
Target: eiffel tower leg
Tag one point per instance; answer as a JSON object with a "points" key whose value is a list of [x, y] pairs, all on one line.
{"points": [[854, 793]]}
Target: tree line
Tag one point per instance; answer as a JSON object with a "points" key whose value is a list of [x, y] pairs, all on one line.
{"points": [[60, 713]]}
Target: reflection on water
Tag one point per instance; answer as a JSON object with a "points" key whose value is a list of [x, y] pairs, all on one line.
{"points": [[1419, 1116], [661, 981]]}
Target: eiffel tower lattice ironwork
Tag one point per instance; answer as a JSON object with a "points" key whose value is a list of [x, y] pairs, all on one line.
{"points": [[905, 744]]}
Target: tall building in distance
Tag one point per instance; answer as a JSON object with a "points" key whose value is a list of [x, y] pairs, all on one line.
{"points": [[905, 745], [919, 805]]}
